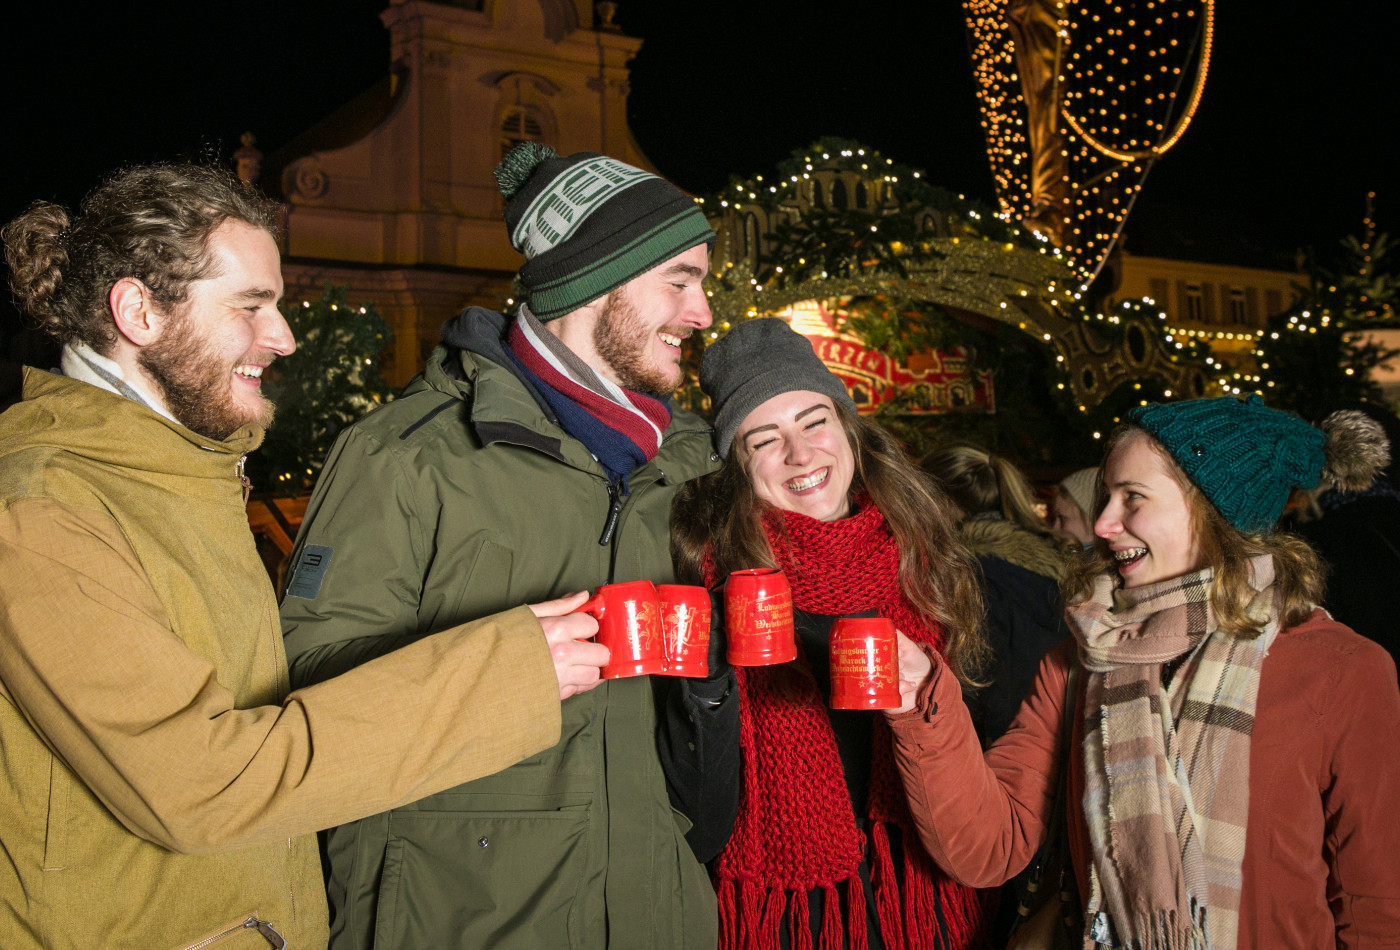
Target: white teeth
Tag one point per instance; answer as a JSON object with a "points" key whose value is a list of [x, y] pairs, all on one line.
{"points": [[669, 339], [811, 481], [1129, 554], [253, 372]]}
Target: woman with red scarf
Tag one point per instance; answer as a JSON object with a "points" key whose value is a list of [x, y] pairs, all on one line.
{"points": [[823, 853]]}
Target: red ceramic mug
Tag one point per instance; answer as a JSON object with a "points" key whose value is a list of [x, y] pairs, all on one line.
{"points": [[864, 664], [685, 629], [629, 625], [758, 618]]}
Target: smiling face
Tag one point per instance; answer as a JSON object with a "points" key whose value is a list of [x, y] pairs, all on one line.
{"points": [[209, 360], [1146, 521], [797, 456], [638, 335]]}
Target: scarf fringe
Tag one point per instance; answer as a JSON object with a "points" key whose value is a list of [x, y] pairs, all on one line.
{"points": [[1165, 930], [887, 902], [920, 905], [800, 922], [831, 918], [751, 916], [772, 918], [856, 913]]}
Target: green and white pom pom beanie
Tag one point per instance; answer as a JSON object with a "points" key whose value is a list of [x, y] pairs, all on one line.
{"points": [[587, 224]]}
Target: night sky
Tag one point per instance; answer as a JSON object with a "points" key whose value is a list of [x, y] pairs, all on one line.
{"points": [[1288, 133]]}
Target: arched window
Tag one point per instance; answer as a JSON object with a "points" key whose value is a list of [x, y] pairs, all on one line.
{"points": [[838, 195], [520, 125], [818, 199], [862, 196]]}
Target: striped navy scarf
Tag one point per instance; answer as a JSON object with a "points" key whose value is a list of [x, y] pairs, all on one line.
{"points": [[621, 428]]}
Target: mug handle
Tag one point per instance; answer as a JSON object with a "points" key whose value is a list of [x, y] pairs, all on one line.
{"points": [[593, 605]]}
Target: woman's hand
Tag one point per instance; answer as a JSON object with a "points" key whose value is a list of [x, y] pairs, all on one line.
{"points": [[914, 668]]}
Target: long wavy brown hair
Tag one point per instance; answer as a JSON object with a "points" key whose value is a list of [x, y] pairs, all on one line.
{"points": [[717, 521], [1299, 575]]}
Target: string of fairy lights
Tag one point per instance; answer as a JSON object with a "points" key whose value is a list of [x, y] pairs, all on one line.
{"points": [[1126, 79], [972, 260]]}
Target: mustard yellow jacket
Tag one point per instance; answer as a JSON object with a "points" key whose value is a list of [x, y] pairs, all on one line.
{"points": [[158, 782]]}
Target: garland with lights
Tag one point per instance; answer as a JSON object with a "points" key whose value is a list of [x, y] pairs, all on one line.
{"points": [[907, 267], [331, 380], [1315, 356]]}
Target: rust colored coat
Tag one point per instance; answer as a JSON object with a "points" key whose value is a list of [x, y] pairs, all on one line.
{"points": [[1322, 844]]}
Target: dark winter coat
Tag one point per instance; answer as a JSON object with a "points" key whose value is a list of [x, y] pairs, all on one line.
{"points": [[1359, 538], [1021, 572], [452, 502]]}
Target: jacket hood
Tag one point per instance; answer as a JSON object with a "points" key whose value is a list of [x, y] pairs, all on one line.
{"points": [[67, 415], [481, 331], [1011, 542]]}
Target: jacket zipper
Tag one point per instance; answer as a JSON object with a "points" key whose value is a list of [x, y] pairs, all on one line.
{"points": [[614, 510], [273, 938], [244, 479]]}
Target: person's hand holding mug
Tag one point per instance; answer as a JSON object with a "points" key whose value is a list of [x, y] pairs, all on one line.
{"points": [[914, 668], [577, 661]]}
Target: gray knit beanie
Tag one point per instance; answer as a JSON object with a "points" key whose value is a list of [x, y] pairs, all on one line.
{"points": [[755, 361], [587, 224], [1080, 487]]}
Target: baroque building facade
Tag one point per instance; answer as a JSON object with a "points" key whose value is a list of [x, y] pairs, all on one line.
{"points": [[393, 193]]}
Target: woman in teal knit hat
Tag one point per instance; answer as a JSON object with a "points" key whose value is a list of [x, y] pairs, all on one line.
{"points": [[1230, 769]]}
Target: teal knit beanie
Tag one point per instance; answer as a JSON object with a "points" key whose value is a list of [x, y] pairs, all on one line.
{"points": [[1244, 457], [587, 224]]}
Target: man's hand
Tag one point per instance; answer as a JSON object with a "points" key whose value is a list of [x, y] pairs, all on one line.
{"points": [[914, 668], [576, 661]]}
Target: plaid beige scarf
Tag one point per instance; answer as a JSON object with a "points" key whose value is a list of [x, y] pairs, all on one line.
{"points": [[1166, 791]]}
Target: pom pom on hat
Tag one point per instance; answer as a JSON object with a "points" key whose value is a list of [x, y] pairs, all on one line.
{"points": [[1356, 450], [519, 164]]}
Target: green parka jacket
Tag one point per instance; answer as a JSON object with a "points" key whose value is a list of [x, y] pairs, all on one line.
{"points": [[458, 499]]}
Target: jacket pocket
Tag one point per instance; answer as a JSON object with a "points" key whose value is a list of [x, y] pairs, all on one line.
{"points": [[505, 880], [248, 932]]}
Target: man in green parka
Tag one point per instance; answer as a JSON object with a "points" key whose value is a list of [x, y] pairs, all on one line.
{"points": [[535, 456]]}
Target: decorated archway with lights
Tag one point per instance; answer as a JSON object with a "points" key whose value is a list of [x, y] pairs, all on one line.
{"points": [[881, 269], [1079, 98]]}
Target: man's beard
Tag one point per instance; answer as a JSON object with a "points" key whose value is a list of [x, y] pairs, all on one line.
{"points": [[197, 384], [623, 341]]}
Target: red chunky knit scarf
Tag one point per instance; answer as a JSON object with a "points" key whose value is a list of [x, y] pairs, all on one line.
{"points": [[795, 831]]}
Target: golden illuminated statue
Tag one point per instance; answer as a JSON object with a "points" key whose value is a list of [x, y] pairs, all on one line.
{"points": [[1038, 44]]}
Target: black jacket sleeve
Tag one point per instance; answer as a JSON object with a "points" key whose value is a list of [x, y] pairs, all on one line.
{"points": [[698, 742]]}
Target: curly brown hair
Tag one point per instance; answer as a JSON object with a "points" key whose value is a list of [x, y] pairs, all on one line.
{"points": [[718, 519], [151, 223], [1299, 575]]}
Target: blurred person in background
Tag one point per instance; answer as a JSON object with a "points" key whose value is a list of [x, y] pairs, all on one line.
{"points": [[1072, 507], [1023, 561]]}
